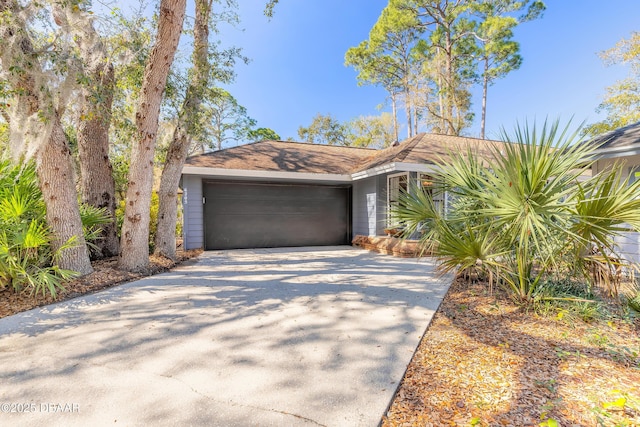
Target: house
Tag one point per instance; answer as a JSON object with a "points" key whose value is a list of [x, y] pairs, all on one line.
{"points": [[621, 145], [278, 193]]}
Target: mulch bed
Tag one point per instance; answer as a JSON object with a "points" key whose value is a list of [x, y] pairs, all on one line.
{"points": [[485, 361], [104, 276]]}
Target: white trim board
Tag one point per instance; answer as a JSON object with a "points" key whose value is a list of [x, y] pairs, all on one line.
{"points": [[394, 167], [256, 174]]}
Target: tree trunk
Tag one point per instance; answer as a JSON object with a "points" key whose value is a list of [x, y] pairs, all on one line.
{"points": [[485, 84], [450, 84], [407, 109], [443, 124], [54, 165], [165, 240], [135, 229], [394, 110], [97, 186]]}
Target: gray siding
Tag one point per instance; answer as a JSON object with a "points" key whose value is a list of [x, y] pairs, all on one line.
{"points": [[370, 206], [193, 228], [628, 161], [365, 206], [381, 211], [628, 246]]}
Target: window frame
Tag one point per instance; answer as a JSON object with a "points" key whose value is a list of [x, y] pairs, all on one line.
{"points": [[389, 195], [441, 203]]}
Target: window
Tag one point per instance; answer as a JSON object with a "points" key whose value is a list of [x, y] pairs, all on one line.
{"points": [[439, 197], [396, 185]]}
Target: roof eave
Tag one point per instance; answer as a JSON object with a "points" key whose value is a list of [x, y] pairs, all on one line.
{"points": [[393, 167], [306, 176], [261, 174], [613, 152]]}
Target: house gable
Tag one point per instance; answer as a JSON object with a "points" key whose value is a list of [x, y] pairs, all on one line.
{"points": [[421, 153]]}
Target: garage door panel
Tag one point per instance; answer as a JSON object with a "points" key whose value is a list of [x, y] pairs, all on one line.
{"points": [[267, 207], [251, 215]]}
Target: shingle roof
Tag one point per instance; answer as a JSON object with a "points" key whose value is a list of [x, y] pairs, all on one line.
{"points": [[285, 156], [622, 137], [427, 148]]}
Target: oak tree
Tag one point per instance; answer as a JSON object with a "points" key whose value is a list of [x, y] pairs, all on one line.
{"points": [[186, 127], [324, 129], [135, 229], [263, 134], [36, 104], [95, 97]]}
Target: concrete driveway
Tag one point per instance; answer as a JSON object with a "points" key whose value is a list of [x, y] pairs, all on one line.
{"points": [[282, 337]]}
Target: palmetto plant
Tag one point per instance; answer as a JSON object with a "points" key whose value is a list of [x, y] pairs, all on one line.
{"points": [[93, 219], [26, 258], [606, 206], [518, 213]]}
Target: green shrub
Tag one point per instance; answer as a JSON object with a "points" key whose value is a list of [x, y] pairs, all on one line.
{"points": [[27, 260], [4, 138], [523, 214], [568, 299], [92, 220], [634, 303], [26, 257]]}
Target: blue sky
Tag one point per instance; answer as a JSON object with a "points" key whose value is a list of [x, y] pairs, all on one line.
{"points": [[297, 67]]}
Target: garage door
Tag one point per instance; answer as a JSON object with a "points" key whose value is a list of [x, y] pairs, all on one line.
{"points": [[256, 215]]}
